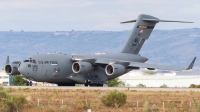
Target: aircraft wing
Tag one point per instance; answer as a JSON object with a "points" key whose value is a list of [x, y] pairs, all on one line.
{"points": [[153, 66], [100, 61], [145, 65]]}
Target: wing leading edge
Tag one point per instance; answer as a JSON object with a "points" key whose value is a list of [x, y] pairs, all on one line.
{"points": [[98, 61], [153, 66]]}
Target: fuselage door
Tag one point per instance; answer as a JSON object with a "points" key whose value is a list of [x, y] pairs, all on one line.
{"points": [[35, 69]]}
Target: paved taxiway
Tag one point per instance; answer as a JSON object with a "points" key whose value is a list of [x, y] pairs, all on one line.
{"points": [[104, 88]]}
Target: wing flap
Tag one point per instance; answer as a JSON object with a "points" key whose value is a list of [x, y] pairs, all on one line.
{"points": [[152, 66]]}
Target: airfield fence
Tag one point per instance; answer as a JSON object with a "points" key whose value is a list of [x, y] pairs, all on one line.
{"points": [[43, 105], [50, 100]]}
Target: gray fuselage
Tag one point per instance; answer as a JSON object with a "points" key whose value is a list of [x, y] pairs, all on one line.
{"points": [[56, 68]]}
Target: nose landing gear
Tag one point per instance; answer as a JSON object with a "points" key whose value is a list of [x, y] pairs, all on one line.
{"points": [[29, 82]]}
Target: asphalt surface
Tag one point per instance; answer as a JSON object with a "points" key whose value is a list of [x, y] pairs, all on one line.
{"points": [[104, 88]]}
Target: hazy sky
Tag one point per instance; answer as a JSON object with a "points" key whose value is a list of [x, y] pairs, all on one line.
{"points": [[65, 15]]}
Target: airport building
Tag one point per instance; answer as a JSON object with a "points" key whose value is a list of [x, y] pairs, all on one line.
{"points": [[170, 79], [4, 79]]}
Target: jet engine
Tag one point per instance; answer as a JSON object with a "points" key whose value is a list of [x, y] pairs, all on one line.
{"points": [[12, 69], [115, 69], [81, 67]]}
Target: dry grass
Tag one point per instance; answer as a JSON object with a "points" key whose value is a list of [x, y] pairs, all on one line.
{"points": [[80, 100]]}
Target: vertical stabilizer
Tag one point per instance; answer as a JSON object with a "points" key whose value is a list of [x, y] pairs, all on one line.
{"points": [[7, 60], [140, 32]]}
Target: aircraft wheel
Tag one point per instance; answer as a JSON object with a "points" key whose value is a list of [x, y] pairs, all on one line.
{"points": [[30, 84], [27, 83], [86, 85]]}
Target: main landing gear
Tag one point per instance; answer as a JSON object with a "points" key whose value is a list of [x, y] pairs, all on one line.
{"points": [[66, 84], [88, 83]]}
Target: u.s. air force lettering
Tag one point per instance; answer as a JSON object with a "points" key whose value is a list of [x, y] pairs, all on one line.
{"points": [[47, 62]]}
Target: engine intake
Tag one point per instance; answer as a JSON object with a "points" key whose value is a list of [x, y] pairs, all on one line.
{"points": [[81, 67], [12, 69], [115, 69]]}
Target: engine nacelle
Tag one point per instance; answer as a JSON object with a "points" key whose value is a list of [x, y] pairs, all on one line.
{"points": [[81, 67], [115, 69], [12, 69]]}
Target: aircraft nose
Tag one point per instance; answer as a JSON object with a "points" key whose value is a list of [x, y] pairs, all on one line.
{"points": [[22, 69]]}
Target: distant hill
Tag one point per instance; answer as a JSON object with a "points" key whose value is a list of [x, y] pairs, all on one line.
{"points": [[167, 47]]}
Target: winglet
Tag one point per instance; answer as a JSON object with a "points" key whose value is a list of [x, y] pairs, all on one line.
{"points": [[191, 64]]}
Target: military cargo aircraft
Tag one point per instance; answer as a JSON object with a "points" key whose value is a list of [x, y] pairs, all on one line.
{"points": [[92, 70]]}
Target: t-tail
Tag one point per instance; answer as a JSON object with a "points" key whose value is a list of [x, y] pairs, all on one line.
{"points": [[141, 31]]}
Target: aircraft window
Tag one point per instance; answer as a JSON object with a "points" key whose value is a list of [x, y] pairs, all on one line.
{"points": [[29, 66], [0, 77], [31, 61], [34, 61], [26, 60]]}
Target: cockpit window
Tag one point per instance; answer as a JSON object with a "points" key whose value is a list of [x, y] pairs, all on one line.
{"points": [[26, 60], [31, 61]]}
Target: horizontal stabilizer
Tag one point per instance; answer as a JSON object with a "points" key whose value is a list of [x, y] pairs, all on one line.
{"points": [[156, 20], [131, 21], [159, 20]]}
